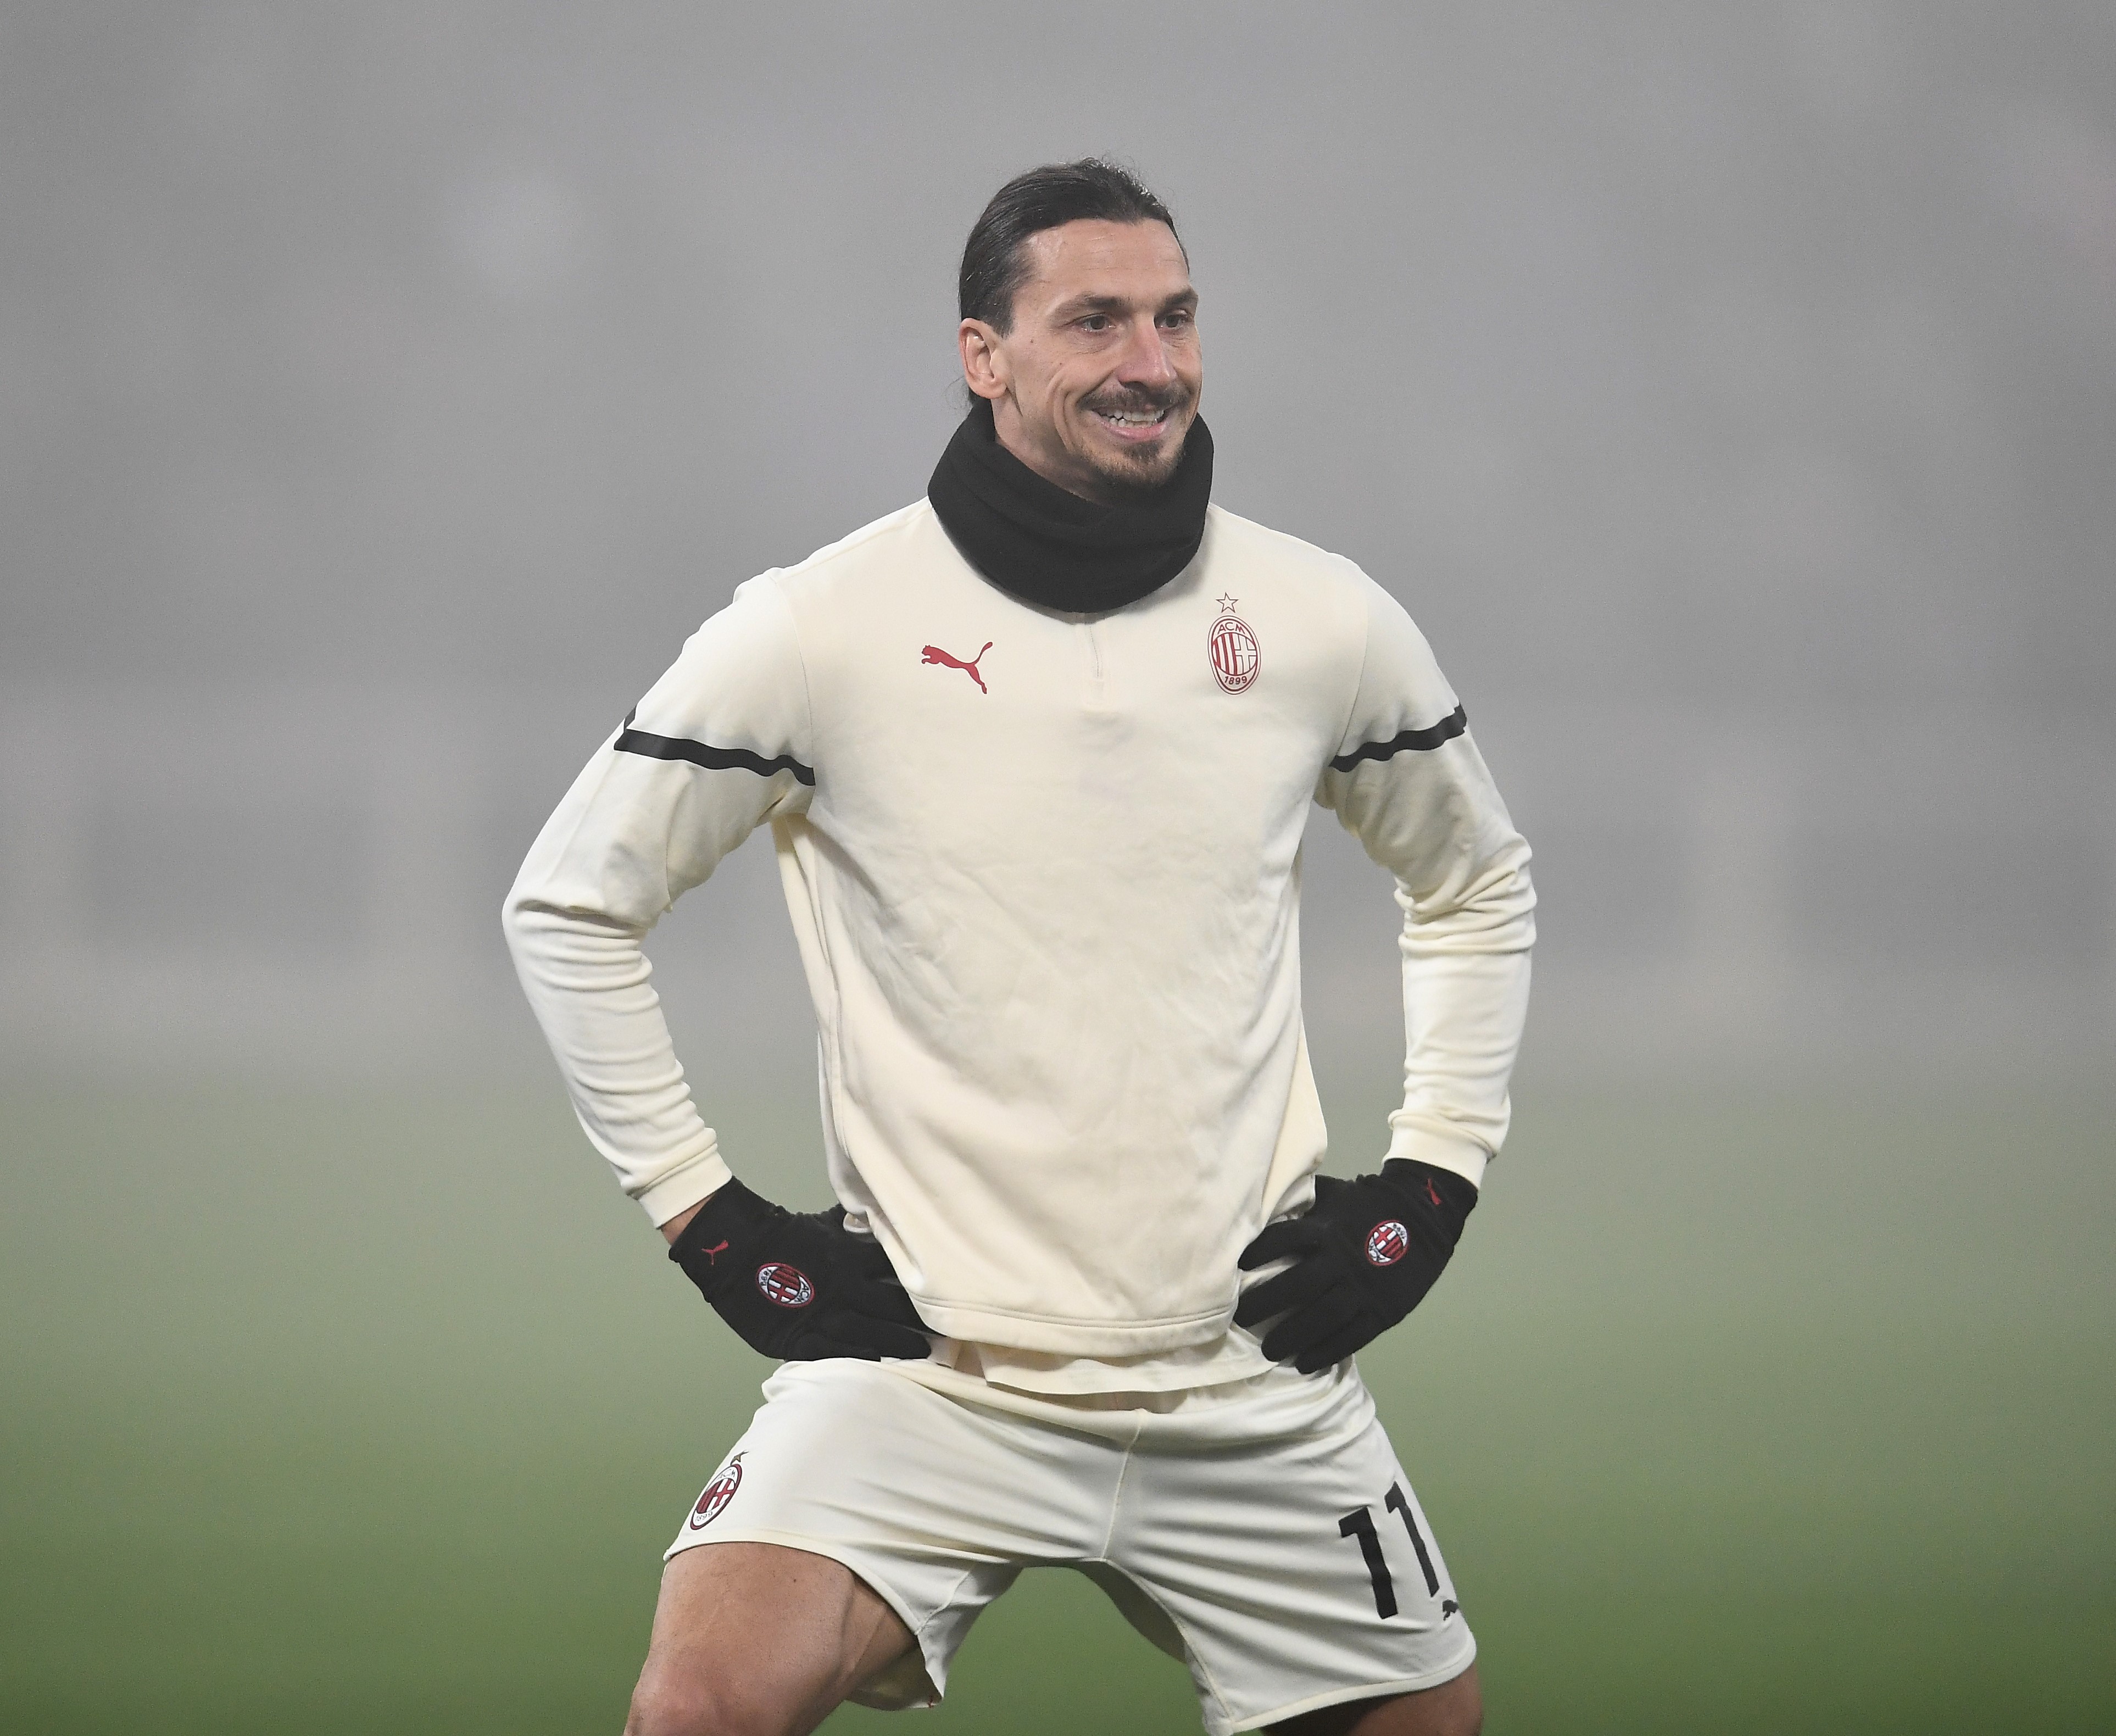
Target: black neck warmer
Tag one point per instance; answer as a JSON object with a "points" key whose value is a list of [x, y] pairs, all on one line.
{"points": [[1031, 537]]}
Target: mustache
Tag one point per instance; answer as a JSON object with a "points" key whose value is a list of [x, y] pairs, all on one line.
{"points": [[1138, 400]]}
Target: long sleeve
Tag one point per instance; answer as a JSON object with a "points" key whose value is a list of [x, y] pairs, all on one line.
{"points": [[1408, 783], [719, 745]]}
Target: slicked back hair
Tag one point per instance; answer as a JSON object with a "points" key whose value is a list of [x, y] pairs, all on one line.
{"points": [[995, 259]]}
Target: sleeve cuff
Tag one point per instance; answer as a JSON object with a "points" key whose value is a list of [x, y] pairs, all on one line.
{"points": [[680, 1190], [1457, 1152]]}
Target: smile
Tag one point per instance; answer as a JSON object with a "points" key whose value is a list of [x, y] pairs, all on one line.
{"points": [[1133, 425]]}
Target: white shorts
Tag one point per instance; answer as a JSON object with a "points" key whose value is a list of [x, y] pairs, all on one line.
{"points": [[1262, 1531]]}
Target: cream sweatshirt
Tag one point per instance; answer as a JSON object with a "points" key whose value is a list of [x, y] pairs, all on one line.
{"points": [[1044, 872]]}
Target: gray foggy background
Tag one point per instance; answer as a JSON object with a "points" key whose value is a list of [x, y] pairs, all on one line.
{"points": [[385, 392], [1728, 389]]}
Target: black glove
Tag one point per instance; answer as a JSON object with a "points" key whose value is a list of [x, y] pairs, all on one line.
{"points": [[1368, 1251], [798, 1286]]}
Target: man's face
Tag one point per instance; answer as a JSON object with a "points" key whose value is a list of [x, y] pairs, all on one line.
{"points": [[1096, 384]]}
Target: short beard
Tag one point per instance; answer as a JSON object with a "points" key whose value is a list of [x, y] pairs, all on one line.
{"points": [[1141, 474]]}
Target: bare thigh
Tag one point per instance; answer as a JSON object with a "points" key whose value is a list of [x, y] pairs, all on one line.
{"points": [[751, 1639], [1454, 1708]]}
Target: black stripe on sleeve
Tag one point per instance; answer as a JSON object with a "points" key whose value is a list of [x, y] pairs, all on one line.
{"points": [[630, 740], [1411, 741]]}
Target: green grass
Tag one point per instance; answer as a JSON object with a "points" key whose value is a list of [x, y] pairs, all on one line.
{"points": [[372, 1412]]}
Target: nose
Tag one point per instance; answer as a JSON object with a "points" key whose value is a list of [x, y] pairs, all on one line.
{"points": [[1145, 360]]}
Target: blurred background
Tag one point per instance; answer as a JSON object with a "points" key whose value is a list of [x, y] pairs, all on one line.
{"points": [[1729, 391]]}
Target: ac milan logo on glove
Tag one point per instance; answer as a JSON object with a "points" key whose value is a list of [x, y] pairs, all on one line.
{"points": [[1387, 1243], [1233, 648], [718, 1493], [788, 1285]]}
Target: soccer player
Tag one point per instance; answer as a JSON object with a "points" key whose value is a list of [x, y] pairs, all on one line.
{"points": [[1036, 753]]}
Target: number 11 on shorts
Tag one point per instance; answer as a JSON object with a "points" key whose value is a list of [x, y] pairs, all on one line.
{"points": [[1360, 1523]]}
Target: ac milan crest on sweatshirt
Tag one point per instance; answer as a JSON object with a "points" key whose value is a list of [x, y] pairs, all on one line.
{"points": [[1044, 872]]}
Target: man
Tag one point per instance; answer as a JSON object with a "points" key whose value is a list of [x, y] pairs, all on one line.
{"points": [[1036, 753]]}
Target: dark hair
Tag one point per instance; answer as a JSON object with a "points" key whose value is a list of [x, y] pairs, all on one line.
{"points": [[994, 263]]}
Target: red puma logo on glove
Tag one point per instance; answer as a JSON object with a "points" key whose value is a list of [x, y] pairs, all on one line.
{"points": [[711, 1252], [934, 654], [1432, 1193]]}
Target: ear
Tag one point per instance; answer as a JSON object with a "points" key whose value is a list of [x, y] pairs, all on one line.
{"points": [[985, 367]]}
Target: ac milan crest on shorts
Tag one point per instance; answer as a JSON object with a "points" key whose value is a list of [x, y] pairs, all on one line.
{"points": [[1388, 1242], [788, 1286], [718, 1493]]}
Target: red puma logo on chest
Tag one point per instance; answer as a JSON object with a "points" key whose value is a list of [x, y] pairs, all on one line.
{"points": [[934, 654]]}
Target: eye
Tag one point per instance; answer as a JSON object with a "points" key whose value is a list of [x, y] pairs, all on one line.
{"points": [[1179, 320], [1095, 322]]}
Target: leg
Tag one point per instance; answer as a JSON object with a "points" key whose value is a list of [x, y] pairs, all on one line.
{"points": [[1454, 1708], [751, 1639]]}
